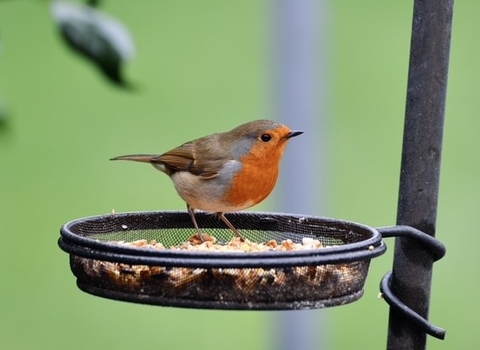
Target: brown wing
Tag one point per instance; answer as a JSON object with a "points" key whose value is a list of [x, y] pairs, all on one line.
{"points": [[178, 159], [184, 158]]}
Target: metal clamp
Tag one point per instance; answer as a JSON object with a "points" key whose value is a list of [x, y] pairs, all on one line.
{"points": [[437, 250]]}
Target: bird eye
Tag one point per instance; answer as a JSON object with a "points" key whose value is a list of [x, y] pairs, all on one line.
{"points": [[265, 137]]}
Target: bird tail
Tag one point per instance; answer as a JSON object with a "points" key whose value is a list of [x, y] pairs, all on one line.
{"points": [[144, 158]]}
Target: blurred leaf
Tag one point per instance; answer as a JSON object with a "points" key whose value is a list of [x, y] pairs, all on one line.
{"points": [[95, 35], [3, 114], [93, 3]]}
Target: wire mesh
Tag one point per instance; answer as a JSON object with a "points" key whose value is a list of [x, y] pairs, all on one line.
{"points": [[118, 256]]}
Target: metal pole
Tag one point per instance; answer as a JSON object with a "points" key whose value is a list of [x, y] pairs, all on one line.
{"points": [[300, 101], [420, 167]]}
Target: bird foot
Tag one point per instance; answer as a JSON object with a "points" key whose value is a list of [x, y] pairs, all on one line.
{"points": [[200, 238]]}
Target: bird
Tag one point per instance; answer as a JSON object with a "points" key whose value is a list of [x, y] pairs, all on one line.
{"points": [[225, 172]]}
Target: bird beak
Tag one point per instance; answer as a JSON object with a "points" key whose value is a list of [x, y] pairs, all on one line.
{"points": [[293, 133]]}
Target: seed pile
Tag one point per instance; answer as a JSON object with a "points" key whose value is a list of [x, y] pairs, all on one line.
{"points": [[230, 285]]}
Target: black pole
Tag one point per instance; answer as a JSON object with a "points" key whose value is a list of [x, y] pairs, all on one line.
{"points": [[420, 168]]}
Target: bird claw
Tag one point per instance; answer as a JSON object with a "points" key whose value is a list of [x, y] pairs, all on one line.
{"points": [[200, 238]]}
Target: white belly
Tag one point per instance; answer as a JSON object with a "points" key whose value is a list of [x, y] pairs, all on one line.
{"points": [[207, 195]]}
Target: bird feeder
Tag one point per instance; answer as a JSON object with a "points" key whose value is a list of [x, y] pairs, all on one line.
{"points": [[286, 261], [128, 256]]}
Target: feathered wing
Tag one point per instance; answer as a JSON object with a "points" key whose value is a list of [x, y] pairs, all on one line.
{"points": [[184, 158], [178, 159]]}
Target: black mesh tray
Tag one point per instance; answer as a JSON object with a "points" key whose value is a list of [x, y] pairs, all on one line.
{"points": [[107, 264]]}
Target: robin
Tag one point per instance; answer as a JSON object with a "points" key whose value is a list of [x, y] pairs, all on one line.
{"points": [[225, 172]]}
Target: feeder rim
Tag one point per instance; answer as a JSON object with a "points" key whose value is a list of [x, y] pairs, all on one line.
{"points": [[68, 235], [238, 261]]}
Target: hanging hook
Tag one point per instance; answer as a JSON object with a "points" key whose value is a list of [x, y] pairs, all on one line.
{"points": [[437, 250]]}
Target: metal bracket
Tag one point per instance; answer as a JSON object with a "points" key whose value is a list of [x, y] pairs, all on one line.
{"points": [[437, 251]]}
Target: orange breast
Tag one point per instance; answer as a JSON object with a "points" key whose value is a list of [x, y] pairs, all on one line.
{"points": [[254, 182]]}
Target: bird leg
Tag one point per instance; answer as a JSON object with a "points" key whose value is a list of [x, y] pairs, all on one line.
{"points": [[192, 216], [230, 226], [220, 215]]}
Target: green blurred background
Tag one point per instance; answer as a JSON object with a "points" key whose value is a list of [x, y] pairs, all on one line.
{"points": [[205, 66]]}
